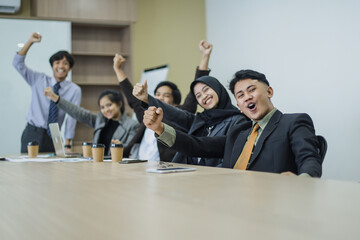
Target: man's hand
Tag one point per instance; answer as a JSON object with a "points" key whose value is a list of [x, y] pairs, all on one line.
{"points": [[288, 173], [68, 150], [152, 119], [34, 37], [140, 92], [48, 92]]}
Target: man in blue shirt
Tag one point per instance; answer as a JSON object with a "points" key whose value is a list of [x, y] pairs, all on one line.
{"points": [[38, 115]]}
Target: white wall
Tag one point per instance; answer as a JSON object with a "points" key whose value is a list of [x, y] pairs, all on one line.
{"points": [[15, 94], [310, 52]]}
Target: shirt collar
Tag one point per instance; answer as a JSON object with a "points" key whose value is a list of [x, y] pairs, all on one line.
{"points": [[264, 121], [53, 82]]}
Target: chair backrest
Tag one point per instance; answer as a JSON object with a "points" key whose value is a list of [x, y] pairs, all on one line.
{"points": [[322, 147]]}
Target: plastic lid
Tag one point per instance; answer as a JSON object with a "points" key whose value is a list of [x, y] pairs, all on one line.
{"points": [[33, 143], [87, 143], [98, 145], [116, 145]]}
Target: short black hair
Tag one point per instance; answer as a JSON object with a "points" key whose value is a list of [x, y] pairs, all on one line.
{"points": [[246, 74], [60, 55], [175, 91], [114, 97]]}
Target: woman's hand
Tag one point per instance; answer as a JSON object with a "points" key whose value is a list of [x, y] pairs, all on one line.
{"points": [[205, 47], [115, 141], [48, 92]]}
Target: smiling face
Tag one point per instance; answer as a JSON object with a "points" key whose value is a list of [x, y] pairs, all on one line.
{"points": [[109, 109], [61, 68], [206, 96], [164, 94], [253, 98]]}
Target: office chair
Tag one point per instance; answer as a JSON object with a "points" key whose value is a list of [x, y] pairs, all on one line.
{"points": [[322, 147]]}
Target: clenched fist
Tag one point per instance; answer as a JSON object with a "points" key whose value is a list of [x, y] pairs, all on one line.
{"points": [[152, 119], [48, 92], [118, 61], [205, 47], [35, 37]]}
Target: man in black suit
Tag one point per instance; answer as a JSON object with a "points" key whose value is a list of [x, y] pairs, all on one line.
{"points": [[285, 143]]}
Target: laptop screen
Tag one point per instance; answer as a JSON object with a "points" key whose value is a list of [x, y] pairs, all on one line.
{"points": [[57, 139]]}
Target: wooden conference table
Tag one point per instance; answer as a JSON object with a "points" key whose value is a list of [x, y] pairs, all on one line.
{"points": [[121, 201]]}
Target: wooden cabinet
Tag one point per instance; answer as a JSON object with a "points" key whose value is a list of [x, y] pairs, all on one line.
{"points": [[100, 28], [94, 47], [87, 10]]}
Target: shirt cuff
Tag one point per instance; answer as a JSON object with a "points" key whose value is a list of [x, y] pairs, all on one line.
{"points": [[168, 137], [203, 71]]}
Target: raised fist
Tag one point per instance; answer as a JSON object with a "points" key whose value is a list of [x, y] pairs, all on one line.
{"points": [[118, 61], [35, 37], [205, 47]]}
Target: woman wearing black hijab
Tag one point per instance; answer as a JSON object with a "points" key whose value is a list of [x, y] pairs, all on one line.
{"points": [[218, 117]]}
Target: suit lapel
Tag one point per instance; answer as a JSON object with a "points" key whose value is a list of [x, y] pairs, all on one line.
{"points": [[196, 125], [217, 128], [270, 127]]}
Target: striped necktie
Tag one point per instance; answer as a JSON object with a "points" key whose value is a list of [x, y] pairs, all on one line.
{"points": [[53, 109], [245, 155]]}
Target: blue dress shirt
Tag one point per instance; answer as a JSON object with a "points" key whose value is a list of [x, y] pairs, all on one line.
{"points": [[39, 106]]}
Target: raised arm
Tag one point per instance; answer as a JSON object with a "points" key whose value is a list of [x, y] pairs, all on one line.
{"points": [[127, 87], [29, 75], [70, 123], [182, 142], [34, 37], [77, 112], [190, 103], [205, 49]]}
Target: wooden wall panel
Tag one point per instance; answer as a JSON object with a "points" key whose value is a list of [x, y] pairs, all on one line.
{"points": [[110, 10]]}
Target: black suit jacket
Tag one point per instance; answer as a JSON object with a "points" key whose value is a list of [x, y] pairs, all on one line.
{"points": [[288, 143]]}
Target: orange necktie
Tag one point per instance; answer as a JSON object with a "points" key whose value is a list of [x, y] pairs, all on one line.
{"points": [[245, 155]]}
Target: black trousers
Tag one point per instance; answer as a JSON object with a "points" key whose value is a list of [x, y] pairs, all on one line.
{"points": [[32, 133]]}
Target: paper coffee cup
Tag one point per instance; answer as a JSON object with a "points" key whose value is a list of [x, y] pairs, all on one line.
{"points": [[33, 149], [86, 149], [116, 152], [98, 152]]}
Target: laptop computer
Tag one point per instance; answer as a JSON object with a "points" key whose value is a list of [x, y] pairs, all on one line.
{"points": [[58, 142]]}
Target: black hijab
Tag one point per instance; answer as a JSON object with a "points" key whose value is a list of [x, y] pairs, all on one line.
{"points": [[223, 110]]}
